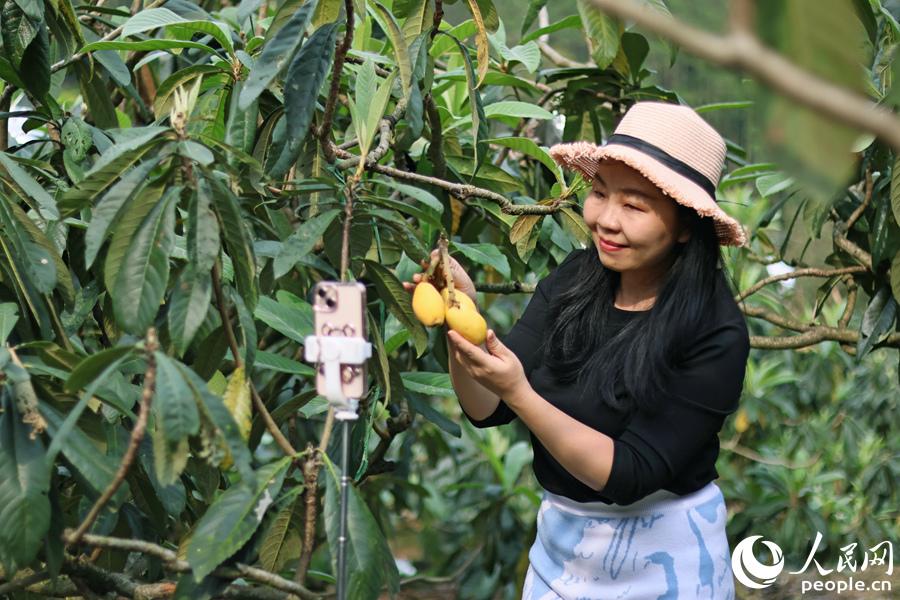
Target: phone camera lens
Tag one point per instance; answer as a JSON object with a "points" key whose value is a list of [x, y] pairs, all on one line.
{"points": [[330, 303], [322, 292]]}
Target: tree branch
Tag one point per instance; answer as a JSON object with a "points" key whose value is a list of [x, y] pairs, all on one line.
{"points": [[173, 563], [137, 434], [741, 49], [260, 406]]}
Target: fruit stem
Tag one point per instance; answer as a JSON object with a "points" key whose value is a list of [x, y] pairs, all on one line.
{"points": [[445, 264]]}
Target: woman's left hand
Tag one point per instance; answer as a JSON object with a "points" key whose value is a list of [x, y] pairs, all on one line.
{"points": [[499, 369]]}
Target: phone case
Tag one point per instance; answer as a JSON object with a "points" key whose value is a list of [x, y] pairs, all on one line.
{"points": [[339, 308]]}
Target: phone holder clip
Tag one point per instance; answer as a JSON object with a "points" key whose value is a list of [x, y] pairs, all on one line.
{"points": [[333, 351]]}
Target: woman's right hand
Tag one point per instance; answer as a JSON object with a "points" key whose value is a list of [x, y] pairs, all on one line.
{"points": [[461, 280]]}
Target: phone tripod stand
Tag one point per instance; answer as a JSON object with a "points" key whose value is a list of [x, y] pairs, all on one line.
{"points": [[332, 351]]}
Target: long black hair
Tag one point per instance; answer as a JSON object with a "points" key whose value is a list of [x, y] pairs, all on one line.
{"points": [[643, 354]]}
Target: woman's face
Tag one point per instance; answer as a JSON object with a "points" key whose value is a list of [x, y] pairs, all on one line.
{"points": [[625, 208]]}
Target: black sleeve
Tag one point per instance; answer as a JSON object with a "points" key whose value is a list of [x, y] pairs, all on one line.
{"points": [[525, 339], [707, 386]]}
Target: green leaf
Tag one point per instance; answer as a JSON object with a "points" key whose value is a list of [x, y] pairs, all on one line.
{"points": [[303, 81], [512, 108], [480, 129], [233, 518], [570, 22], [8, 317], [430, 384], [877, 321], [529, 147], [398, 301], [293, 322], [895, 279], [94, 469], [152, 44], [188, 306], [301, 242], [111, 165], [237, 239], [574, 224], [203, 242], [282, 542], [161, 103], [214, 411], [153, 18], [485, 254], [175, 417], [24, 489], [603, 32], [18, 32], [275, 54], [401, 49], [141, 281], [110, 208], [282, 364], [32, 189], [240, 127], [89, 369], [369, 560], [132, 216]]}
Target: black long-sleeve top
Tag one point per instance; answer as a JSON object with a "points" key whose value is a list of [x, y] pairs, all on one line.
{"points": [[676, 448]]}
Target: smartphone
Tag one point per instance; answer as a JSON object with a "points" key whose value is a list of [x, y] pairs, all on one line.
{"points": [[339, 308]]}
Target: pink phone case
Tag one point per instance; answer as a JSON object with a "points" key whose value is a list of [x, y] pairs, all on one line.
{"points": [[339, 308]]}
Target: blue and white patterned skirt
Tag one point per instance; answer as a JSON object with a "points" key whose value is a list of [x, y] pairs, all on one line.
{"points": [[662, 547]]}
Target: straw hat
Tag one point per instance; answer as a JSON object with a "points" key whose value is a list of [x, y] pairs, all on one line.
{"points": [[673, 147]]}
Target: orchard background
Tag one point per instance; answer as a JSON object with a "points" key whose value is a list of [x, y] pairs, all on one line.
{"points": [[176, 176]]}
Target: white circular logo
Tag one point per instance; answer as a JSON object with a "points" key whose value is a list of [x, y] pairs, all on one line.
{"points": [[745, 565]]}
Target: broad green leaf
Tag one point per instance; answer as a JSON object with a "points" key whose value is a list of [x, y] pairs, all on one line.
{"points": [[877, 321], [236, 238], [574, 224], [370, 563], [142, 278], [31, 189], [89, 369], [203, 242], [111, 165], [24, 489], [529, 147], [234, 516], [110, 208], [237, 400], [430, 384], [301, 242], [214, 412], [401, 49], [175, 417], [398, 301], [93, 468], [18, 32], [153, 18], [522, 110], [240, 127], [153, 44], [895, 279], [487, 255], [293, 322], [603, 32], [8, 317], [303, 81], [282, 364], [283, 542], [188, 306], [276, 54], [570, 22], [480, 129]]}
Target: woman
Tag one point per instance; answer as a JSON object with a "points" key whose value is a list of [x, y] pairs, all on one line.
{"points": [[624, 366]]}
